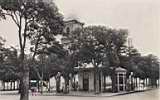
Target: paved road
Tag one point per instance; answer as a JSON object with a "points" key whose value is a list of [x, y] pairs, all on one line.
{"points": [[148, 95]]}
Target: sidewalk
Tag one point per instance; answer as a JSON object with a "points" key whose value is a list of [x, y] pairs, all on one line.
{"points": [[9, 92], [77, 93], [92, 94]]}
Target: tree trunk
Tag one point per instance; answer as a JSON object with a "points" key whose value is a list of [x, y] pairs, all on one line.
{"points": [[153, 82], [74, 83], [38, 86], [49, 87], [158, 82], [7, 86], [58, 85], [146, 82], [24, 79], [24, 94], [104, 83], [66, 88], [41, 86], [14, 85], [136, 80], [149, 83], [20, 85], [3, 84], [11, 85], [97, 81], [143, 83], [140, 83], [113, 81]]}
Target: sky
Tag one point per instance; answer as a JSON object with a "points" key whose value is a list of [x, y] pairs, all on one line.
{"points": [[140, 17]]}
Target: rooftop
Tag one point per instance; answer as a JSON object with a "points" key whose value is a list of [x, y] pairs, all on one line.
{"points": [[73, 21], [120, 69]]}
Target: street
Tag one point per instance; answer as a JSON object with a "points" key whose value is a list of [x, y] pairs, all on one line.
{"points": [[148, 95]]}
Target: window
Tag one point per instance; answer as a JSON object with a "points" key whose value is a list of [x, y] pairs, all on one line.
{"points": [[68, 30], [120, 80]]}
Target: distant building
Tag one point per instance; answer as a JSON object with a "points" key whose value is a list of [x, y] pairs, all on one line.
{"points": [[69, 27], [72, 25]]}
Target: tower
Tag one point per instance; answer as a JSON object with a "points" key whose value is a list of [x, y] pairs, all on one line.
{"points": [[69, 27]]}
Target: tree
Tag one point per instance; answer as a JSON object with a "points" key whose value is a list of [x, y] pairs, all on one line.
{"points": [[9, 69], [46, 66], [114, 43], [131, 58], [9, 62], [100, 46], [32, 18], [153, 68], [2, 49], [88, 50], [65, 62]]}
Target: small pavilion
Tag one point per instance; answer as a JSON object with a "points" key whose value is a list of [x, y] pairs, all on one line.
{"points": [[121, 79], [86, 79]]}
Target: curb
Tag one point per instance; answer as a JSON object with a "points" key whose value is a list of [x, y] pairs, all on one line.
{"points": [[131, 92], [96, 95]]}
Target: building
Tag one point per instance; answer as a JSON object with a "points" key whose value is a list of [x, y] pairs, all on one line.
{"points": [[72, 25], [121, 79], [86, 81], [69, 27]]}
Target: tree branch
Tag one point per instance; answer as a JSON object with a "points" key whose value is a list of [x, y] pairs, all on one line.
{"points": [[36, 45], [20, 32], [11, 15], [25, 33], [16, 17]]}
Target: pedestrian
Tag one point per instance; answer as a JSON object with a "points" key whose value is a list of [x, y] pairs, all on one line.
{"points": [[34, 91]]}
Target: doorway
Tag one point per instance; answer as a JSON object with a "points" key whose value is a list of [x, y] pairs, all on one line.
{"points": [[86, 81], [85, 84]]}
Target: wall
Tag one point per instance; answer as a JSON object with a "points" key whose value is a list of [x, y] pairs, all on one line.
{"points": [[80, 81], [1, 86], [91, 81], [72, 26]]}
